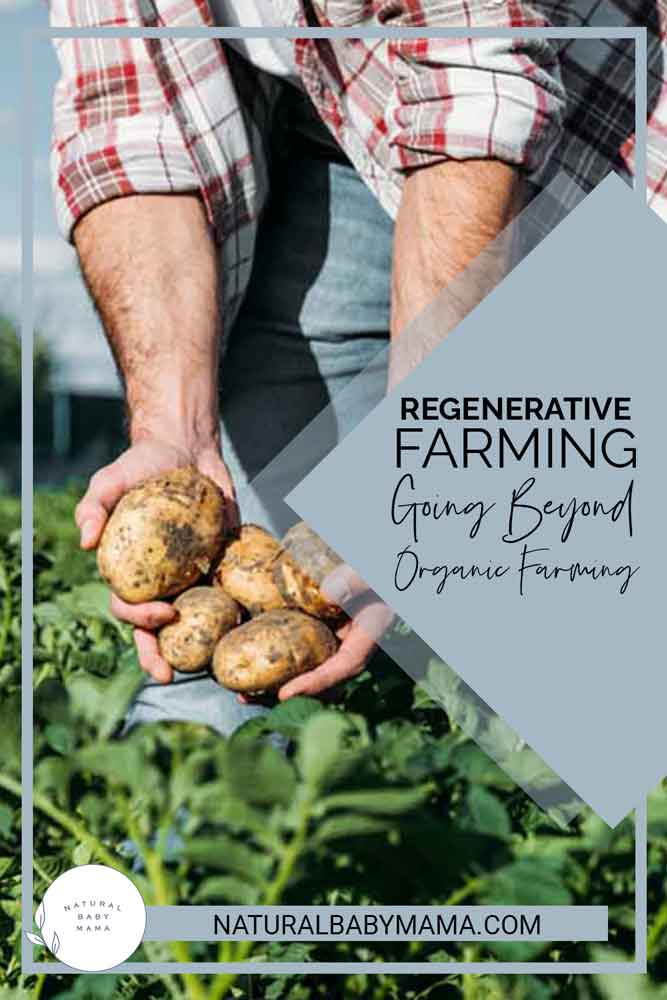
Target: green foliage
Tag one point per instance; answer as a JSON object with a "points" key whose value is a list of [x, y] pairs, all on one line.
{"points": [[378, 800], [10, 373]]}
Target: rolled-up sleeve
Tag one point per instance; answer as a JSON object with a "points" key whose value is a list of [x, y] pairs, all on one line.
{"points": [[465, 98], [113, 132]]}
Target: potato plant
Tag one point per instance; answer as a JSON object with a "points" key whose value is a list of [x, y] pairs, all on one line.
{"points": [[380, 783]]}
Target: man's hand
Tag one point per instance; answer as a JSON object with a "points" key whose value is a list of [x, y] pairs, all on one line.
{"points": [[370, 618], [450, 215], [147, 458]]}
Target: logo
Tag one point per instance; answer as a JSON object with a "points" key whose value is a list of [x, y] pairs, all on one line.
{"points": [[92, 918]]}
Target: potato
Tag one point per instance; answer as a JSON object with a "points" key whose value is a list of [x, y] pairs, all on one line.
{"points": [[245, 571], [163, 535], [205, 614], [305, 563], [270, 650]]}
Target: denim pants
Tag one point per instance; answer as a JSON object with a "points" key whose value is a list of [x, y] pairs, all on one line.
{"points": [[316, 315]]}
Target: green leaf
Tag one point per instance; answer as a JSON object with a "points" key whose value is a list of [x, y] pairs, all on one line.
{"points": [[260, 774], [214, 802], [5, 865], [120, 692], [6, 820], [618, 987], [121, 763], [90, 600], [103, 703], [531, 988], [276, 989], [349, 825], [422, 700], [289, 717], [517, 951], [81, 854], [10, 735], [50, 613], [478, 768], [439, 956], [52, 774], [527, 882], [228, 888], [60, 737], [597, 835], [254, 729], [528, 769], [226, 854], [487, 814], [409, 753], [52, 702], [87, 696], [378, 802], [295, 951], [93, 811], [94, 987], [320, 746], [657, 816]]}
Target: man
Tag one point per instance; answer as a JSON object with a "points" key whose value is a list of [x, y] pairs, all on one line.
{"points": [[293, 202]]}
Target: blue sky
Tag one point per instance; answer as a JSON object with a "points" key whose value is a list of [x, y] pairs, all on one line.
{"points": [[15, 17], [63, 313]]}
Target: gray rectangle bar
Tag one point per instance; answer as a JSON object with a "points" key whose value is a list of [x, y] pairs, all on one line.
{"points": [[383, 32], [376, 923]]}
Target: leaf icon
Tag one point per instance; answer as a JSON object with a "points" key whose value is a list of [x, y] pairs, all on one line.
{"points": [[55, 944], [40, 916], [35, 939]]}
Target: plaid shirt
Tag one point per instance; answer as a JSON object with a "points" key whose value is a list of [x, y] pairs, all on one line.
{"points": [[173, 115]]}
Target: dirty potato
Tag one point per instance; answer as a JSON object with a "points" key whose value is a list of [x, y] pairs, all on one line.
{"points": [[163, 535], [245, 571], [305, 563], [270, 650], [205, 614]]}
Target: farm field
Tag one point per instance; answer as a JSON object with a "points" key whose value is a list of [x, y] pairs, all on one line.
{"points": [[377, 785]]}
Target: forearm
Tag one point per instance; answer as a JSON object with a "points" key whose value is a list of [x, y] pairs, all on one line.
{"points": [[450, 216], [150, 264]]}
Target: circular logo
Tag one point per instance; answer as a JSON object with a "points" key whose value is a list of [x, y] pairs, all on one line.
{"points": [[92, 918]]}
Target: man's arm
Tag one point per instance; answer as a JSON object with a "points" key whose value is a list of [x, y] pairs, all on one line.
{"points": [[450, 218], [466, 120], [150, 265]]}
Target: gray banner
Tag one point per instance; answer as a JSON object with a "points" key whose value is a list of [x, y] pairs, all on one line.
{"points": [[376, 923]]}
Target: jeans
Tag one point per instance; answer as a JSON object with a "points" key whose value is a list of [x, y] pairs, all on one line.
{"points": [[316, 314]]}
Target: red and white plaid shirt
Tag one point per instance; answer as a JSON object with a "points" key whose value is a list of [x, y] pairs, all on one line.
{"points": [[174, 115]]}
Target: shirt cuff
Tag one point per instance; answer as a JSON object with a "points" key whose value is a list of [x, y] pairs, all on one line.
{"points": [[488, 98], [141, 154]]}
